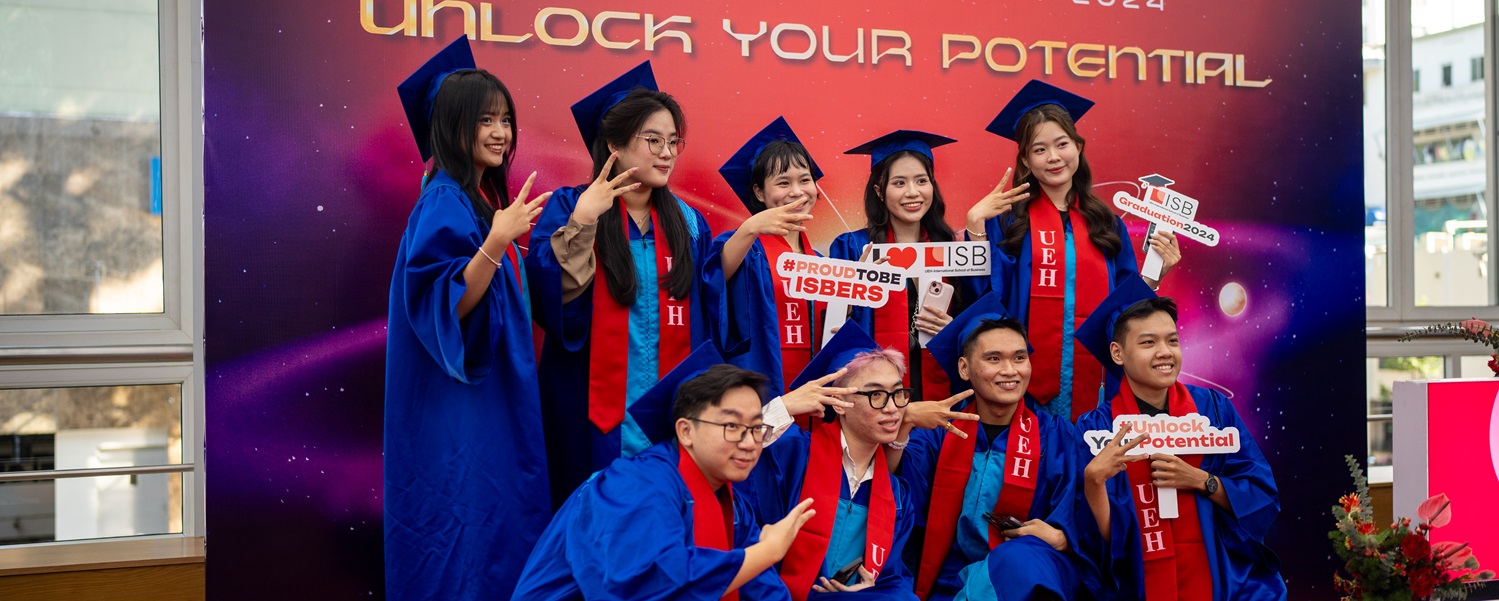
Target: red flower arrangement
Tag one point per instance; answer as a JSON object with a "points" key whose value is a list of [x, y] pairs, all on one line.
{"points": [[1400, 563]]}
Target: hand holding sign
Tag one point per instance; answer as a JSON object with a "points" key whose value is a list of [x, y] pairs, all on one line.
{"points": [[1163, 436], [1170, 471], [1167, 211]]}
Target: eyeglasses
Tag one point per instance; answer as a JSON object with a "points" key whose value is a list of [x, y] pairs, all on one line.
{"points": [[735, 433], [654, 142], [879, 398]]}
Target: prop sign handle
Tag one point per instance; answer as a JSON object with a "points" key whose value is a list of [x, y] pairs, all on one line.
{"points": [[832, 320], [1154, 262], [1166, 503]]}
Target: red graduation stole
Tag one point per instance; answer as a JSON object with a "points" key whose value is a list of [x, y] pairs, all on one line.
{"points": [[1176, 557], [609, 341], [823, 483], [955, 465], [892, 329], [795, 327], [1048, 293], [712, 520]]}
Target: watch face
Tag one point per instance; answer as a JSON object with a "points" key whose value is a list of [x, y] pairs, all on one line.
{"points": [[1212, 484]]}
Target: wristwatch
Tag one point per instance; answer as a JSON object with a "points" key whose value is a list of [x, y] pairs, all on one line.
{"points": [[1211, 485]]}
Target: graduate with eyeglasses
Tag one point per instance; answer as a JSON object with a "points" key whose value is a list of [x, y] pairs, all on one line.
{"points": [[1215, 547], [998, 490], [839, 461], [669, 523], [616, 268]]}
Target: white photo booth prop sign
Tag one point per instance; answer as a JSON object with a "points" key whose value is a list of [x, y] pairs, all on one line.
{"points": [[1190, 434], [1167, 210]]}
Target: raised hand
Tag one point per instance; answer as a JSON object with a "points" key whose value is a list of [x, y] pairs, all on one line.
{"points": [[600, 195], [1165, 244], [778, 221], [1113, 458], [997, 202], [813, 395], [938, 414], [778, 536], [515, 220]]}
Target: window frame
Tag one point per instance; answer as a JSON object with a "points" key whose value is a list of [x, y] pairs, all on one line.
{"points": [[44, 351]]}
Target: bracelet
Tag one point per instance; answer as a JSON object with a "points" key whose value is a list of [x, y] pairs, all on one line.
{"points": [[491, 259], [897, 445], [973, 235]]}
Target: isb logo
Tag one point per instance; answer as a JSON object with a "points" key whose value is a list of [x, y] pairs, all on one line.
{"points": [[957, 256]]}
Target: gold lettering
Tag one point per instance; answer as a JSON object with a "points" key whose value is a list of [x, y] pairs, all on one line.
{"points": [[1166, 56], [1239, 79], [1047, 47], [1019, 55], [547, 37], [1225, 67], [948, 39], [429, 10], [1086, 66], [1114, 54], [486, 27], [408, 19], [652, 28], [604, 17], [874, 44]]}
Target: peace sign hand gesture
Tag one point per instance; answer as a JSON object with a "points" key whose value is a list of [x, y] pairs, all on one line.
{"points": [[938, 414], [515, 220], [810, 397], [601, 193], [1113, 458], [997, 202]]}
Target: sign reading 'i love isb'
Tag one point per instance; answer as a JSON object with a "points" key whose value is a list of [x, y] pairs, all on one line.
{"points": [[937, 259]]}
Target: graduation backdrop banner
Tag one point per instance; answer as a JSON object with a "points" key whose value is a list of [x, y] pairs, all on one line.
{"points": [[1253, 109]]}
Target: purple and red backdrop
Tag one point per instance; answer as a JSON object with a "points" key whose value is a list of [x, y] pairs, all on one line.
{"points": [[1254, 109]]}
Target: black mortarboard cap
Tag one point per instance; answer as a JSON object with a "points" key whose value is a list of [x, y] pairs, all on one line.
{"points": [[420, 89]]}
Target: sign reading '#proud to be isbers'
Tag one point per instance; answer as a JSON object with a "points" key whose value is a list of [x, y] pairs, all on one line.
{"points": [[937, 259], [1190, 434], [839, 281]]}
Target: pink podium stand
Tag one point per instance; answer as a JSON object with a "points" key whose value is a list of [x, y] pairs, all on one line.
{"points": [[1447, 441]]}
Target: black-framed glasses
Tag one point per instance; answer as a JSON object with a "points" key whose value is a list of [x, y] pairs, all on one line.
{"points": [[879, 398], [655, 142], [735, 433]]}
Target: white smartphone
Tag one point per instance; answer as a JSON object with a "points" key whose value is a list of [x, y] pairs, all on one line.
{"points": [[937, 295]]}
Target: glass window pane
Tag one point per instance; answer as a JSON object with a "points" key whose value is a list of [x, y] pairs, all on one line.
{"points": [[90, 427], [80, 158], [1376, 241], [1450, 175], [1381, 443], [1475, 366], [35, 511]]}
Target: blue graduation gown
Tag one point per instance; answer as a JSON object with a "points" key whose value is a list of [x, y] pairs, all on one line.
{"points": [[627, 534], [574, 446], [1010, 278], [1014, 570], [746, 311], [1243, 567], [463, 448], [775, 486]]}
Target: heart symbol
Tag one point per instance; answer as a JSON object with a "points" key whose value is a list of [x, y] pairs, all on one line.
{"points": [[903, 258]]}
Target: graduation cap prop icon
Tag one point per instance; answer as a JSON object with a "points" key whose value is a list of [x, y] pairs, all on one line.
{"points": [[420, 89], [1098, 330], [849, 342], [739, 170], [882, 147], [652, 411], [1036, 93], [947, 346], [589, 112]]}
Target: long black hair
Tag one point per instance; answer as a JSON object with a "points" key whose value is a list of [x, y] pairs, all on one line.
{"points": [[1095, 213], [463, 98], [776, 158], [619, 127], [933, 222]]}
